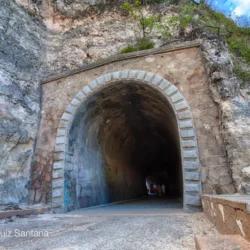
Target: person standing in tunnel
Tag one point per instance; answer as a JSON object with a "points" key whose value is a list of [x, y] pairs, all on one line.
{"points": [[148, 187], [159, 189], [163, 189], [155, 189]]}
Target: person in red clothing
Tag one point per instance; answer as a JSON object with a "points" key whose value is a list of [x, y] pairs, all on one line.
{"points": [[163, 189], [155, 189], [159, 189]]}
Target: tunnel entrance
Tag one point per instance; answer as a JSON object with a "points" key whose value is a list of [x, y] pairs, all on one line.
{"points": [[117, 131], [119, 136]]}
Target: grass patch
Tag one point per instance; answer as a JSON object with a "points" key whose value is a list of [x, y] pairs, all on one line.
{"points": [[142, 45]]}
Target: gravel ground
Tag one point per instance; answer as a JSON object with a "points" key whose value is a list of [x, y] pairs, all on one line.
{"points": [[142, 224]]}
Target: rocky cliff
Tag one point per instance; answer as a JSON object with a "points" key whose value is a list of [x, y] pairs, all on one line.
{"points": [[21, 53], [40, 38]]}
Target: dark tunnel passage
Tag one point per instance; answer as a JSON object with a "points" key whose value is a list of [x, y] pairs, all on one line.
{"points": [[120, 135]]}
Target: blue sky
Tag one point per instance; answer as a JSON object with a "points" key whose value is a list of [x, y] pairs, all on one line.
{"points": [[233, 7]]}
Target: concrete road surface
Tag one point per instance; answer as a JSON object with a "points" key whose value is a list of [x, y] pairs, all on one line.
{"points": [[144, 224]]}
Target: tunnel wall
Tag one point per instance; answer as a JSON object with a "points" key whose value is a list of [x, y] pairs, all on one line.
{"points": [[118, 135], [184, 68], [102, 171]]}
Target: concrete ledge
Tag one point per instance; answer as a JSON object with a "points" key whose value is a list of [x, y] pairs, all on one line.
{"points": [[10, 213], [119, 57], [241, 202], [229, 213], [225, 242]]}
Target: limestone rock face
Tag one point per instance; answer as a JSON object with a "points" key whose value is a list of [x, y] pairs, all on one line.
{"points": [[20, 53], [72, 7], [245, 183], [31, 50], [237, 136], [233, 104], [95, 39]]}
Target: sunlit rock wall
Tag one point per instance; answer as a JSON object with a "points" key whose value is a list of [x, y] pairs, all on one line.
{"points": [[20, 61]]}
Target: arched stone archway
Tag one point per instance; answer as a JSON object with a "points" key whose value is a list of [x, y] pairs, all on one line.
{"points": [[61, 192]]}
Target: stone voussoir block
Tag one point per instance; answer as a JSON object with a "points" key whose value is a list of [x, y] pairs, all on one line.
{"points": [[172, 89], [186, 124], [58, 165], [70, 109], [189, 154], [93, 84], [61, 132], [156, 80], [59, 156], [59, 173], [57, 192], [86, 90], [116, 75], [148, 77], [63, 124], [188, 144], [192, 176], [187, 133], [60, 140], [75, 102], [59, 148], [185, 115], [191, 165], [192, 187], [124, 74], [80, 95], [181, 105], [164, 84], [177, 97], [193, 200], [141, 75], [66, 116], [133, 73], [108, 77], [57, 183], [101, 80]]}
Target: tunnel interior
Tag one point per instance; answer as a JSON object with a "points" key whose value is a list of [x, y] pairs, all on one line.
{"points": [[121, 135]]}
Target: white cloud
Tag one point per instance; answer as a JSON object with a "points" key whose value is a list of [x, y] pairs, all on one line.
{"points": [[242, 7]]}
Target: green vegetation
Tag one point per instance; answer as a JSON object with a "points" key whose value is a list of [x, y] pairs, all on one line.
{"points": [[145, 23], [147, 2], [201, 17], [241, 73], [128, 49], [68, 2], [145, 44], [197, 17], [141, 45]]}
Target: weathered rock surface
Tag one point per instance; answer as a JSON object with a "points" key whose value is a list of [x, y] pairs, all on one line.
{"points": [[95, 38], [29, 52], [20, 53], [244, 187], [233, 103]]}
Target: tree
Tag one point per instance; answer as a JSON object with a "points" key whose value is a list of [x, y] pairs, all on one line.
{"points": [[146, 23]]}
